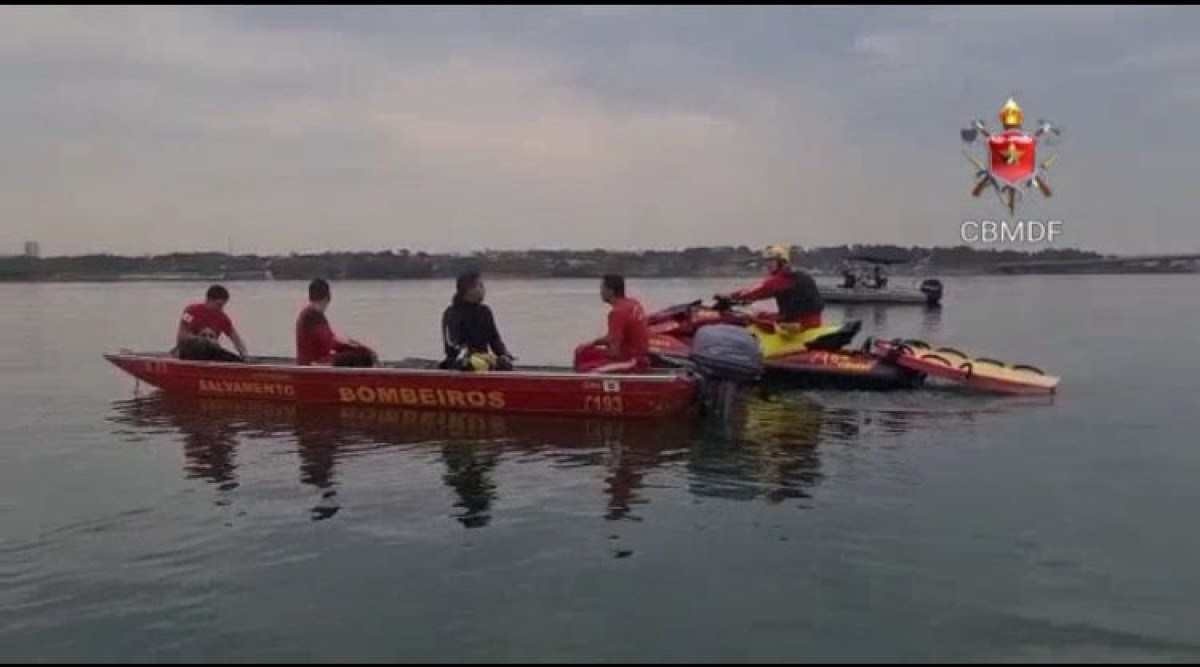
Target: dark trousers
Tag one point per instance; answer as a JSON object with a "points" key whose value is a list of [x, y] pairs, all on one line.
{"points": [[201, 349], [354, 357]]}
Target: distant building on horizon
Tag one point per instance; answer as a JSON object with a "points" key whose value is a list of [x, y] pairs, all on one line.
{"points": [[32, 249]]}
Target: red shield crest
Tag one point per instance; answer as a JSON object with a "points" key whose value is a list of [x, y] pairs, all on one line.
{"points": [[1013, 157]]}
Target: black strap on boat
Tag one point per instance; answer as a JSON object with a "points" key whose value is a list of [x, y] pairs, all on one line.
{"points": [[1026, 367], [939, 358], [868, 344]]}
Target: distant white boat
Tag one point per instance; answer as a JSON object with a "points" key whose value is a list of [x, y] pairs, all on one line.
{"points": [[929, 293], [861, 286]]}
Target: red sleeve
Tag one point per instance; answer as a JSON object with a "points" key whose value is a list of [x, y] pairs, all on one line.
{"points": [[323, 334], [226, 325], [188, 319], [616, 328], [766, 289]]}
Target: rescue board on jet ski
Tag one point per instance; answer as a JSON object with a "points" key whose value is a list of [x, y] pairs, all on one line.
{"points": [[979, 373]]}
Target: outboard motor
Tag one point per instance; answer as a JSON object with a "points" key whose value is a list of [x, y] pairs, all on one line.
{"points": [[932, 289], [726, 356]]}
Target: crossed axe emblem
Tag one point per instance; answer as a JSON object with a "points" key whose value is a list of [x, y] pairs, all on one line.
{"points": [[1008, 194]]}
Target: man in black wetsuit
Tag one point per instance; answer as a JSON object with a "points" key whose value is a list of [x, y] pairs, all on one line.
{"points": [[469, 334]]}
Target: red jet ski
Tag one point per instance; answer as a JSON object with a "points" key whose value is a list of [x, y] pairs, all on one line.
{"points": [[814, 358]]}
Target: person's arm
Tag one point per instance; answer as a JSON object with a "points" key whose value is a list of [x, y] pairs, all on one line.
{"points": [[616, 334], [766, 289], [606, 339], [451, 334], [237, 342], [182, 334], [494, 340]]}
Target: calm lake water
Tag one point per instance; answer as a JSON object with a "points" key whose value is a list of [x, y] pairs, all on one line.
{"points": [[928, 524]]}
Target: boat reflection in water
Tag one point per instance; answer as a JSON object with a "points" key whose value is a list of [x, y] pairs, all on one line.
{"points": [[768, 449], [471, 445], [875, 315], [875, 318]]}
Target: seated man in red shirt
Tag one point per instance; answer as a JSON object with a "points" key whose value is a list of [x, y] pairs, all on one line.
{"points": [[628, 341], [796, 295], [315, 341], [201, 327]]}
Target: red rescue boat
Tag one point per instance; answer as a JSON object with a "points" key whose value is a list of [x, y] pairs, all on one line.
{"points": [[420, 384]]}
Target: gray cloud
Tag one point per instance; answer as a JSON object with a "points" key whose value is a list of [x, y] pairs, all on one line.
{"points": [[152, 129]]}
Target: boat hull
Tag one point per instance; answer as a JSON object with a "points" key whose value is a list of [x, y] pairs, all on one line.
{"points": [[871, 295], [543, 392], [838, 369]]}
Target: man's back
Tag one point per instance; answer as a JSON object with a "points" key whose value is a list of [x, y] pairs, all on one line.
{"points": [[200, 320]]}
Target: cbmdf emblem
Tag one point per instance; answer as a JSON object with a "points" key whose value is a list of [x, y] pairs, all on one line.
{"points": [[1010, 165]]}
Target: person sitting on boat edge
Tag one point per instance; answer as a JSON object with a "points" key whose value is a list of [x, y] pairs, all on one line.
{"points": [[880, 278], [201, 327], [848, 277], [315, 341], [796, 295], [627, 343], [469, 334]]}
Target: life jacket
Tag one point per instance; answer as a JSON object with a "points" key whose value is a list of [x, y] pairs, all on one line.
{"points": [[801, 301]]}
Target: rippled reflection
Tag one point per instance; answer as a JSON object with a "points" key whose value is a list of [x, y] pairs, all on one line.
{"points": [[469, 472], [931, 322], [768, 449], [872, 315]]}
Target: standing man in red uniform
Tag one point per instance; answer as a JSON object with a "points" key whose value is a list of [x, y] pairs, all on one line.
{"points": [[628, 341], [796, 295], [201, 327], [315, 341]]}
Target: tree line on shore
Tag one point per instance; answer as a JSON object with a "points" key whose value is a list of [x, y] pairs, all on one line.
{"points": [[404, 264]]}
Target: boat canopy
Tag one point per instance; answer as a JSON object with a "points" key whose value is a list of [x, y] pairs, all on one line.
{"points": [[873, 259]]}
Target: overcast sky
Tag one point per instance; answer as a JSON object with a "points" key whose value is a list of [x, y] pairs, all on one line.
{"points": [[152, 129]]}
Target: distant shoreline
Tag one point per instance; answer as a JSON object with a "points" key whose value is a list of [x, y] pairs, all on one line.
{"points": [[698, 262], [510, 276]]}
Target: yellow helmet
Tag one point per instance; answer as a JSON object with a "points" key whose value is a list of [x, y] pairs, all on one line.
{"points": [[1011, 115], [779, 252]]}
